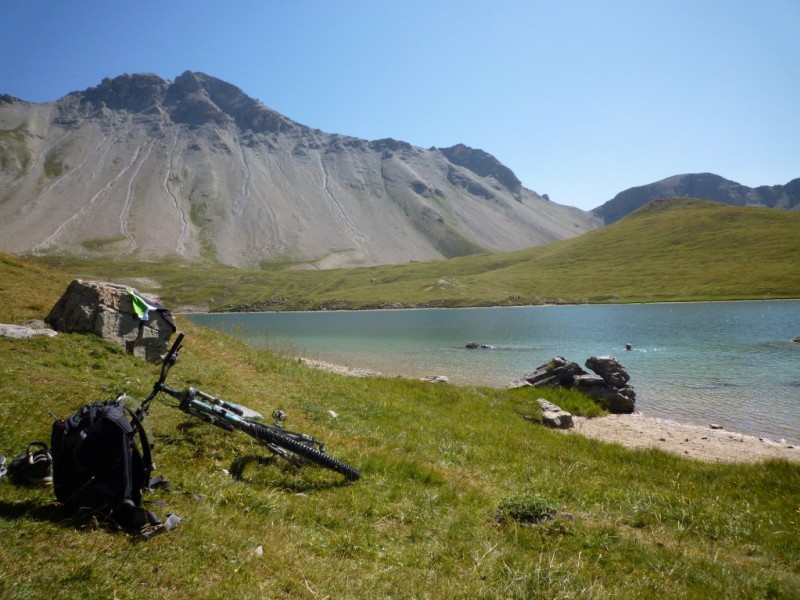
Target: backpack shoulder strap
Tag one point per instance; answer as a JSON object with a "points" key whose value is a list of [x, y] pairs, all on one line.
{"points": [[147, 455]]}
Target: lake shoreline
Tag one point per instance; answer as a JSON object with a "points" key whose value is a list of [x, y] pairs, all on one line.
{"points": [[638, 431], [204, 309]]}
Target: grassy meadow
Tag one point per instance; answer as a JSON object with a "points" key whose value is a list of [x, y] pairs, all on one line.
{"points": [[676, 250], [463, 494]]}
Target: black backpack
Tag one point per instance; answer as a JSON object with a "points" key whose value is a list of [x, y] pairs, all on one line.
{"points": [[98, 465]]}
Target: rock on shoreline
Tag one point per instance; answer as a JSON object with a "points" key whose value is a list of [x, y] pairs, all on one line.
{"points": [[609, 386]]}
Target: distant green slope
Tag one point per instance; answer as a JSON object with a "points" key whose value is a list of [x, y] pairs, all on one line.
{"points": [[27, 292], [672, 250]]}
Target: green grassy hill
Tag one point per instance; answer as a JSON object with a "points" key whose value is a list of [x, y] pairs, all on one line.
{"points": [[450, 475], [674, 250], [26, 291]]}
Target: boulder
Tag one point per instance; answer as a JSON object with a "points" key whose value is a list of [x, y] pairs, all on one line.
{"points": [[610, 369], [554, 416], [559, 372], [615, 400], [587, 380], [109, 311]]}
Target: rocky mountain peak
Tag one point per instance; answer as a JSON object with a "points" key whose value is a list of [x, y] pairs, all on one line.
{"points": [[193, 99], [188, 82], [482, 163], [134, 93]]}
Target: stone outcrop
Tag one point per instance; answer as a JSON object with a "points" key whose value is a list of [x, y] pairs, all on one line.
{"points": [[609, 385], [22, 332], [559, 372], [106, 310], [609, 369], [483, 164]]}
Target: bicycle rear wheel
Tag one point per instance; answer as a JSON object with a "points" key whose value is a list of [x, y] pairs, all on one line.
{"points": [[267, 435]]}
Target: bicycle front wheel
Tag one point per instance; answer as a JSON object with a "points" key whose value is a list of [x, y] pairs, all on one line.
{"points": [[269, 436]]}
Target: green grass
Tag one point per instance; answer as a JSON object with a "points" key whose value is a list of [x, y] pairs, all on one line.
{"points": [[53, 167], [678, 250], [27, 291], [101, 244], [454, 483]]}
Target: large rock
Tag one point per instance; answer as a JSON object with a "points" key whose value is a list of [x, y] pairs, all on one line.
{"points": [[608, 387], [554, 416], [589, 381], [106, 310], [615, 400], [559, 372], [610, 369]]}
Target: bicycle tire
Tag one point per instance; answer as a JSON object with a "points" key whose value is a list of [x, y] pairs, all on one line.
{"points": [[264, 434]]}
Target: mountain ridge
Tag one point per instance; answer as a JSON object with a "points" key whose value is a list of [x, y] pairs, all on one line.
{"points": [[141, 166], [706, 186]]}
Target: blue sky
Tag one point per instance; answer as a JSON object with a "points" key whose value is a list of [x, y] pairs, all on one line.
{"points": [[582, 99]]}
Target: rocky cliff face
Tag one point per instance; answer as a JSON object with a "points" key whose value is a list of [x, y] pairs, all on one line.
{"points": [[141, 166], [706, 186]]}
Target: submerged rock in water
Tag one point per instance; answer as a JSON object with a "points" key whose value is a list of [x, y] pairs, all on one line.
{"points": [[474, 345]]}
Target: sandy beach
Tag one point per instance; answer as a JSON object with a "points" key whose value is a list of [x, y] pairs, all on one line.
{"points": [[340, 369], [700, 442], [692, 441]]}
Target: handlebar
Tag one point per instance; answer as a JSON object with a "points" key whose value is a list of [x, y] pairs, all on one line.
{"points": [[170, 358]]}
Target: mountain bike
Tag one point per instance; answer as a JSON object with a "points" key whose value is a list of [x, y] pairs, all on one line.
{"points": [[290, 445]]}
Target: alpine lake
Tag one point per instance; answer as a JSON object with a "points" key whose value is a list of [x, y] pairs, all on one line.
{"points": [[731, 363]]}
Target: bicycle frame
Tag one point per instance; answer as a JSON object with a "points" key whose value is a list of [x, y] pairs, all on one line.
{"points": [[290, 445]]}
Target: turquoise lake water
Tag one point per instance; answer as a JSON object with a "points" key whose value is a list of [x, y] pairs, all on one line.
{"points": [[732, 363]]}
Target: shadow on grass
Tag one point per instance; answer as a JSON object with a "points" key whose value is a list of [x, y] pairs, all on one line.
{"points": [[58, 514], [292, 477]]}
